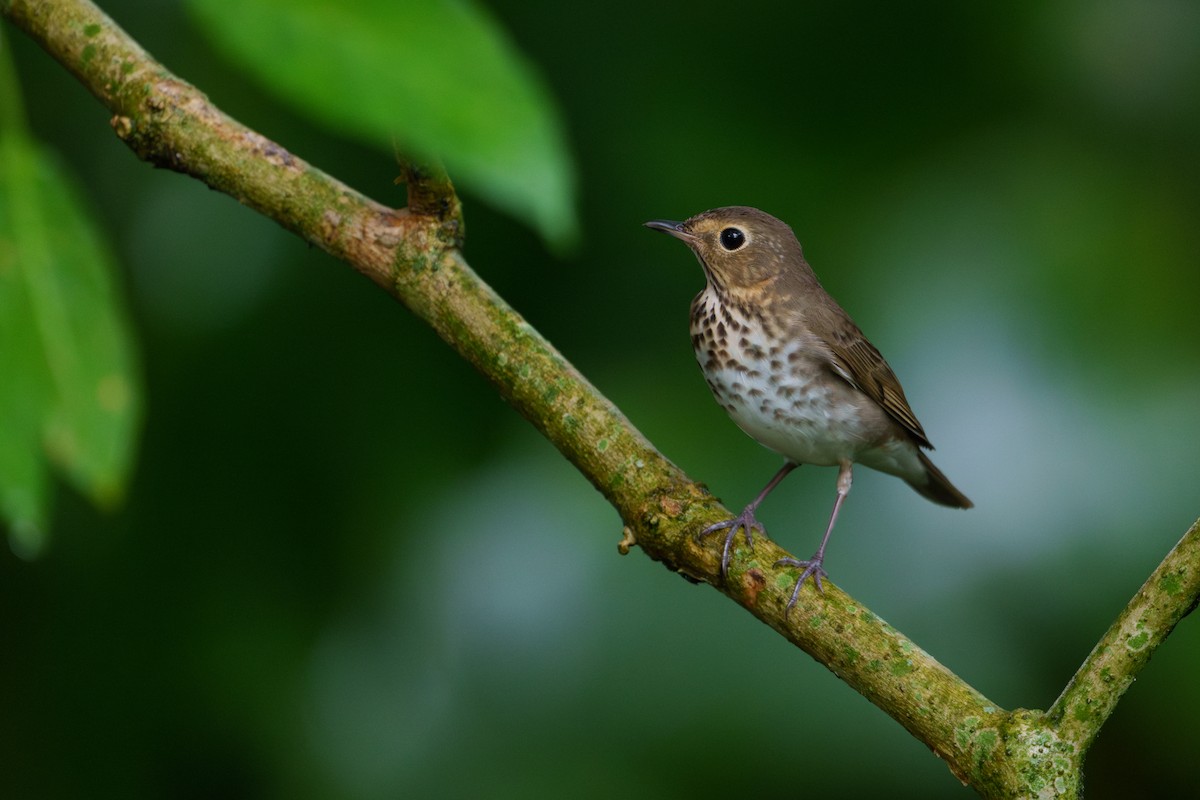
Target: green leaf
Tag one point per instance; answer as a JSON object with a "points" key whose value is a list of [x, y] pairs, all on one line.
{"points": [[436, 78], [69, 391]]}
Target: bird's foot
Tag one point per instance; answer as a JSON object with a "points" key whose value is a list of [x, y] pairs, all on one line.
{"points": [[744, 521], [812, 568]]}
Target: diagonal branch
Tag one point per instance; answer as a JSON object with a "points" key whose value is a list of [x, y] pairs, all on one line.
{"points": [[414, 255], [1168, 595]]}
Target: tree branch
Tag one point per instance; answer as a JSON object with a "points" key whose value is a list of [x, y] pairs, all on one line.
{"points": [[413, 255], [1168, 595]]}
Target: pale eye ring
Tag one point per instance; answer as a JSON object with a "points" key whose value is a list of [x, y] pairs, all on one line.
{"points": [[732, 239]]}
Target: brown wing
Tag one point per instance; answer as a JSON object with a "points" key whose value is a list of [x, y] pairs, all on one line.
{"points": [[857, 360], [850, 355]]}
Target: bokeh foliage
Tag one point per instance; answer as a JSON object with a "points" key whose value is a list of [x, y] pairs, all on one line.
{"points": [[71, 392], [344, 569]]}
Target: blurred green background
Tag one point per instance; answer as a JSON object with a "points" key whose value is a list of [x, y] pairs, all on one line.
{"points": [[346, 569]]}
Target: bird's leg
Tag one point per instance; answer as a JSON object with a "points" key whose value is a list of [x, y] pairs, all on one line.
{"points": [[745, 520], [813, 566]]}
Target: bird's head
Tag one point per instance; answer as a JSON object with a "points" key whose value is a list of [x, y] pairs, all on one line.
{"points": [[740, 248]]}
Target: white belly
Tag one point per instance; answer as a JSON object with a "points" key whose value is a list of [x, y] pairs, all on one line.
{"points": [[784, 395], [808, 422]]}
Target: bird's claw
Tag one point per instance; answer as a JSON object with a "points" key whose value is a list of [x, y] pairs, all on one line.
{"points": [[745, 522], [812, 568]]}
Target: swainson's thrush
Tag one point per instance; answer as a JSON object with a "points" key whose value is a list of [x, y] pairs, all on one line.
{"points": [[794, 371]]}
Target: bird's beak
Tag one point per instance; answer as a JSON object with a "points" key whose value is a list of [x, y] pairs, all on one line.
{"points": [[673, 228]]}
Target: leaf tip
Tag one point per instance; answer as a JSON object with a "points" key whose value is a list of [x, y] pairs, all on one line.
{"points": [[27, 539]]}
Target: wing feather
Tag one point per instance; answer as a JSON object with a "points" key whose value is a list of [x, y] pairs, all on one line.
{"points": [[859, 363]]}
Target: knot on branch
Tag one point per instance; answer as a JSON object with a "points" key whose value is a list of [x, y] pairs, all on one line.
{"points": [[432, 195]]}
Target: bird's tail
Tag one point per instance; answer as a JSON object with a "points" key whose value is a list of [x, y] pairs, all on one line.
{"points": [[937, 487]]}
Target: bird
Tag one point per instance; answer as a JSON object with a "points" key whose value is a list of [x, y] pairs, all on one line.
{"points": [[794, 371]]}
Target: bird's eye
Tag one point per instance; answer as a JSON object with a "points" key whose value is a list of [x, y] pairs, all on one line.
{"points": [[732, 238]]}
